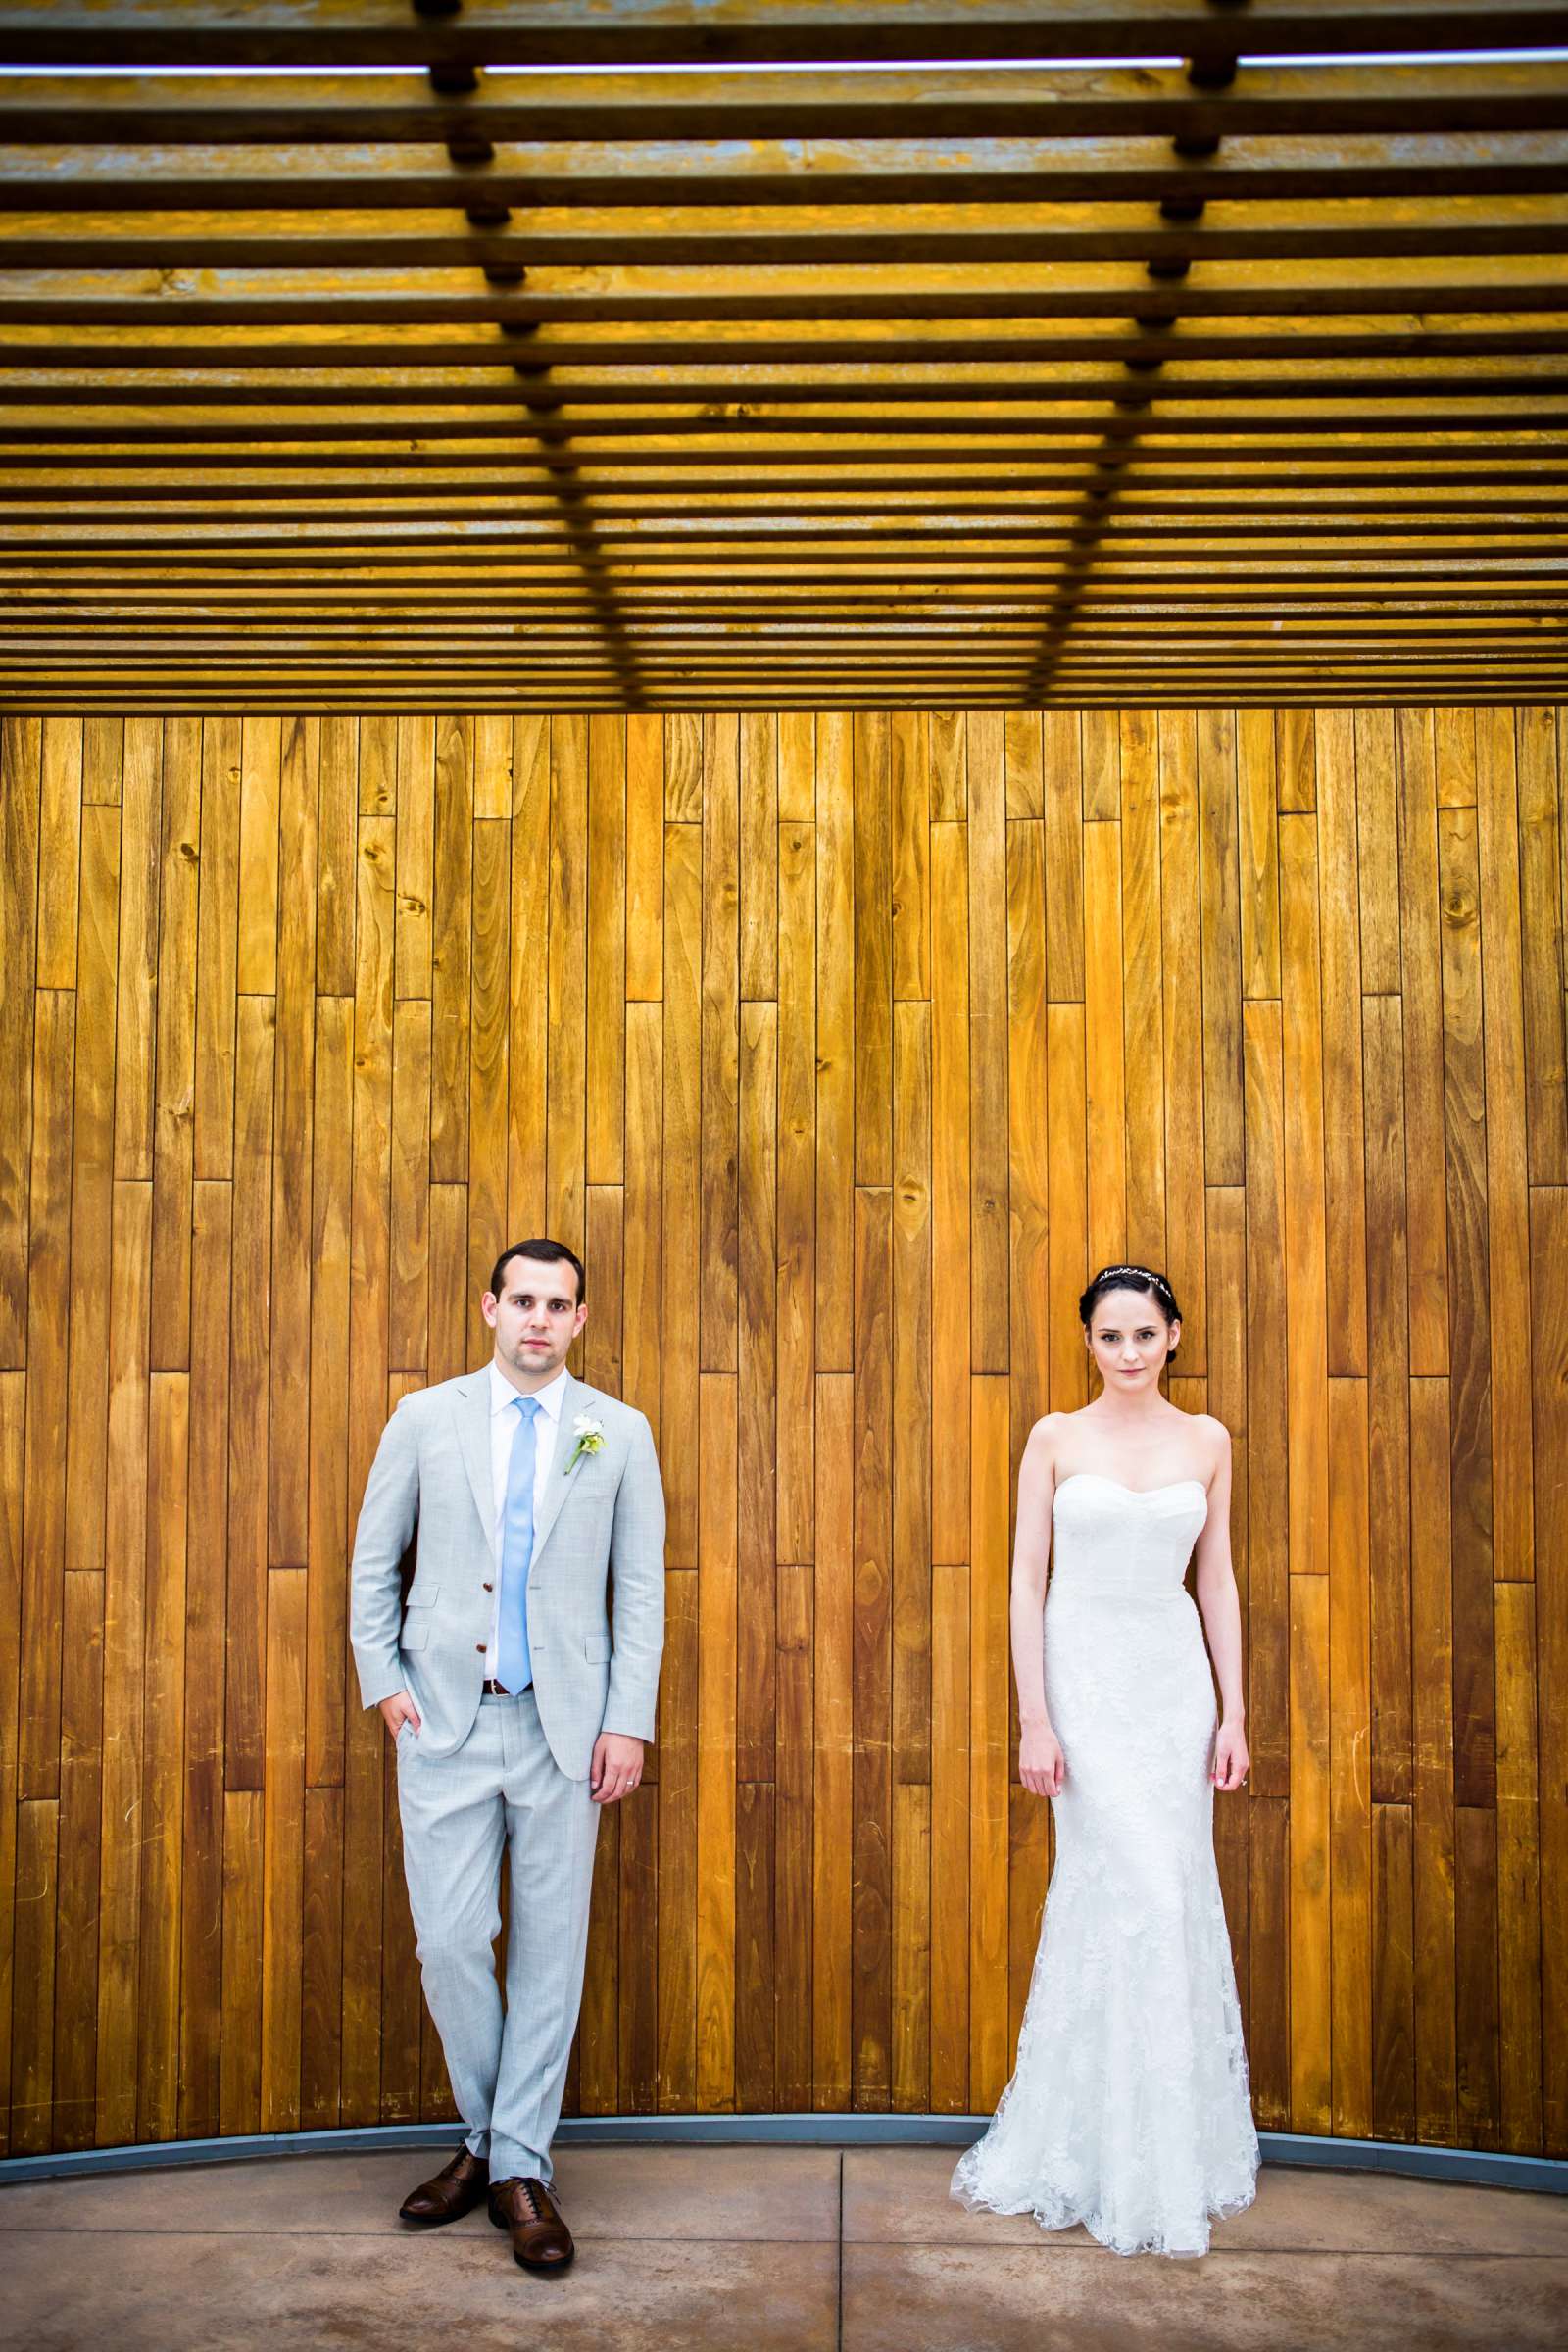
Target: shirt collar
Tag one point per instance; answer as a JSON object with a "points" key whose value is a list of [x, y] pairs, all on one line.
{"points": [[552, 1396]]}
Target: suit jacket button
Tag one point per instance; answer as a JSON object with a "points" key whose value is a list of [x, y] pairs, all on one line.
{"points": [[481, 1647], [489, 1587]]}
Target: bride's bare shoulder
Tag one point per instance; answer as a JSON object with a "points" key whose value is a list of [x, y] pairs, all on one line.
{"points": [[1047, 1433], [1214, 1431], [1215, 1438]]}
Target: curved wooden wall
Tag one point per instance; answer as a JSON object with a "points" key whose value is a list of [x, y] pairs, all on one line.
{"points": [[841, 1048]]}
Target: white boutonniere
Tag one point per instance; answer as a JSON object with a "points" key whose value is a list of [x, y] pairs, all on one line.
{"points": [[590, 1437]]}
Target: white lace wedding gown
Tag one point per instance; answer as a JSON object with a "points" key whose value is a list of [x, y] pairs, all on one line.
{"points": [[1128, 2109]]}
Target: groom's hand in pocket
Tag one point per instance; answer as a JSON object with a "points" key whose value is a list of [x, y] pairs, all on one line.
{"points": [[397, 1710], [616, 1768]]}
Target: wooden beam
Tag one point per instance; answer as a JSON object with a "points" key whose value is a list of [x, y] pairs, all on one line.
{"points": [[442, 373], [112, 353], [69, 509], [954, 238], [425, 628], [589, 118], [1240, 513], [1125, 607], [252, 544], [293, 176], [897, 294], [1465, 571], [460, 648], [285, 468], [1524, 395], [745, 663], [320, 33]]}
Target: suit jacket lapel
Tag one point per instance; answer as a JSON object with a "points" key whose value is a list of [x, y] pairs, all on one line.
{"points": [[470, 1410], [558, 1483]]}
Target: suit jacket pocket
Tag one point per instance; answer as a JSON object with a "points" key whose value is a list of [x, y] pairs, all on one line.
{"points": [[416, 1630], [594, 1477]]}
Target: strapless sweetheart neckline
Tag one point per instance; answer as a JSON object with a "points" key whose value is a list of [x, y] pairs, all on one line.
{"points": [[1122, 1486]]}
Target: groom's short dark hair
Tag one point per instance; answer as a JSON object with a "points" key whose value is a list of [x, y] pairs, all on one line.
{"points": [[548, 1253]]}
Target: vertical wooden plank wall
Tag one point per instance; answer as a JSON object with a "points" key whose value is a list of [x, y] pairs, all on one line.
{"points": [[841, 1049]]}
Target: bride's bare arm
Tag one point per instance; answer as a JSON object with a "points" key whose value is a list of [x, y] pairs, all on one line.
{"points": [[1039, 1752], [1222, 1619]]}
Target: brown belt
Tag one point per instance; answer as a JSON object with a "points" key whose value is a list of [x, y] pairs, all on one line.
{"points": [[495, 1690]]}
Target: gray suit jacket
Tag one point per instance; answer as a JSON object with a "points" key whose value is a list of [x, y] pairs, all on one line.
{"points": [[432, 1472]]}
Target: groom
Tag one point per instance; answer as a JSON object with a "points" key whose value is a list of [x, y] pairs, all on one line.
{"points": [[518, 1706]]}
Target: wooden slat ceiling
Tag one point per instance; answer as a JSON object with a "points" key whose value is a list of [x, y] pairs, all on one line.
{"points": [[658, 372]]}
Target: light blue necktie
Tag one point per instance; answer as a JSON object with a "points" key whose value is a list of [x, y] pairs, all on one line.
{"points": [[513, 1666]]}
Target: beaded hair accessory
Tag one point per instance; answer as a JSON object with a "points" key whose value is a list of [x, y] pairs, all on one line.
{"points": [[1145, 1274]]}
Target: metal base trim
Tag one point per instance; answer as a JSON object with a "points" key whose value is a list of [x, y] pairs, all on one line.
{"points": [[1482, 2167]]}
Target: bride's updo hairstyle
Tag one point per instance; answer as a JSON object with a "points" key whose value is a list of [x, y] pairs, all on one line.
{"points": [[1131, 1278]]}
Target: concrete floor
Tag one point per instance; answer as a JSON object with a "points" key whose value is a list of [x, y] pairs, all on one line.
{"points": [[758, 2251]]}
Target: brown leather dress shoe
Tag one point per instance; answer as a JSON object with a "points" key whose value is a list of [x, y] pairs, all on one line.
{"points": [[540, 2238], [455, 2190]]}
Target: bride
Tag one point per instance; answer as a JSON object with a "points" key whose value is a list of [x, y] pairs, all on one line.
{"points": [[1127, 2110]]}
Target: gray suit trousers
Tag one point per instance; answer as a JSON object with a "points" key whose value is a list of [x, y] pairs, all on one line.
{"points": [[501, 1791]]}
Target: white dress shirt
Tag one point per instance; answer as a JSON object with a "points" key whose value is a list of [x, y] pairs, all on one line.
{"points": [[505, 1422]]}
